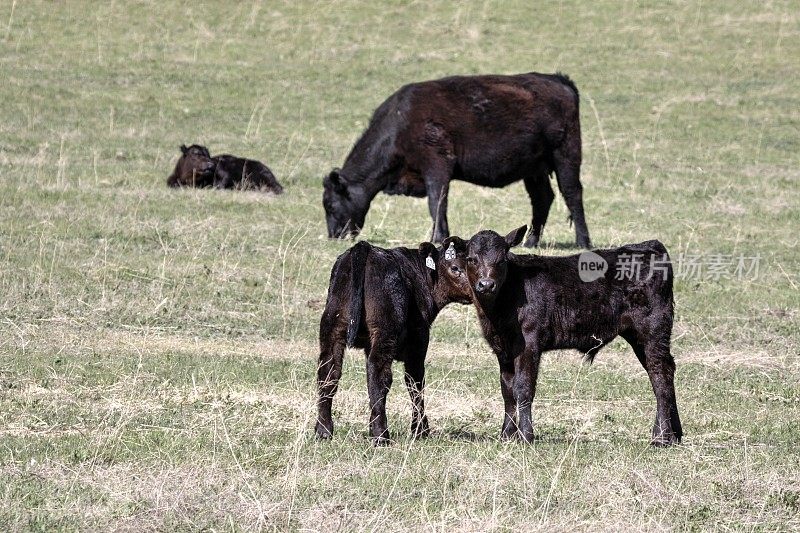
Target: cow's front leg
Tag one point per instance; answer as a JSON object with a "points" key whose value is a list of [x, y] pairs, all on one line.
{"points": [[526, 370], [379, 381], [509, 429], [438, 185]]}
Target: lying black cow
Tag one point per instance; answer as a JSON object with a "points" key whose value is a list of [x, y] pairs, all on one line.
{"points": [[196, 168], [529, 304], [385, 302], [486, 130]]}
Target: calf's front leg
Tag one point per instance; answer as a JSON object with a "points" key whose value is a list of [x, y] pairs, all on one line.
{"points": [[526, 371], [509, 429]]}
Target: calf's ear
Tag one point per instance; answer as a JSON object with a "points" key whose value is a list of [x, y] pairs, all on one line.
{"points": [[184, 149], [459, 244], [515, 237], [427, 249]]}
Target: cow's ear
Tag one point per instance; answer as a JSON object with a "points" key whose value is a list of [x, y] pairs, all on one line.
{"points": [[334, 181], [458, 244], [184, 149], [515, 237], [427, 251]]}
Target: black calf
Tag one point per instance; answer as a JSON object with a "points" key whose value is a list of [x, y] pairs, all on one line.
{"points": [[385, 301], [529, 304], [196, 168]]}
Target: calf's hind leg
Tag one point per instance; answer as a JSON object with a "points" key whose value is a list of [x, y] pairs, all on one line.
{"points": [[654, 355], [329, 371], [415, 382], [379, 381]]}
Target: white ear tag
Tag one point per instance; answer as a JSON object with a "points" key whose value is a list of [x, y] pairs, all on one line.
{"points": [[450, 253], [429, 263]]}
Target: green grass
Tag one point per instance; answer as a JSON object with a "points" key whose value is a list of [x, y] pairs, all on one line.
{"points": [[158, 348]]}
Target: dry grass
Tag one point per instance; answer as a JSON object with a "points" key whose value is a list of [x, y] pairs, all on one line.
{"points": [[158, 348]]}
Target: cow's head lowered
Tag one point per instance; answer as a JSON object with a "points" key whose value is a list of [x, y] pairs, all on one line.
{"points": [[345, 205], [195, 168], [487, 261]]}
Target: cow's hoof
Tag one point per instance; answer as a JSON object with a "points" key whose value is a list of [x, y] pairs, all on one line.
{"points": [[324, 432], [584, 243], [532, 242]]}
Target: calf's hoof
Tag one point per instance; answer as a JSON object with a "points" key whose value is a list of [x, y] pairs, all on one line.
{"points": [[422, 430], [526, 437], [324, 431], [507, 435], [584, 242], [665, 440], [380, 442]]}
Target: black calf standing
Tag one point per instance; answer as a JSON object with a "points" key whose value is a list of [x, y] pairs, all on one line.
{"points": [[529, 304], [385, 301]]}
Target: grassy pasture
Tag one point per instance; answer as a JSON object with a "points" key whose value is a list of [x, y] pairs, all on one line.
{"points": [[157, 348]]}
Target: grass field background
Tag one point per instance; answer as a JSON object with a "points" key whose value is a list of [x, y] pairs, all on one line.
{"points": [[158, 347]]}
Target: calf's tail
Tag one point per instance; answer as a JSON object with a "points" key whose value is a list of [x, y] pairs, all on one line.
{"points": [[358, 264], [667, 276]]}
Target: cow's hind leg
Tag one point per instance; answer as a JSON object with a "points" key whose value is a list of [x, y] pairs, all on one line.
{"points": [[329, 371], [568, 166], [379, 381], [654, 354], [541, 194], [436, 174]]}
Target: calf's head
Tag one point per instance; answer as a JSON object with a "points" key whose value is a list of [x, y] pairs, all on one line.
{"points": [[450, 272], [195, 168], [345, 206], [487, 261]]}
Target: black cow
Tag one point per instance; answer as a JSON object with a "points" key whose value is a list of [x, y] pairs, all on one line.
{"points": [[486, 130], [530, 304], [385, 301], [196, 168]]}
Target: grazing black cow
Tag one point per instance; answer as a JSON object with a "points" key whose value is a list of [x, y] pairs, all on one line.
{"points": [[385, 301], [196, 168], [486, 130], [530, 304]]}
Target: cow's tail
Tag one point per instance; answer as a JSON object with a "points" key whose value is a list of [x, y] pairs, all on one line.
{"points": [[358, 264]]}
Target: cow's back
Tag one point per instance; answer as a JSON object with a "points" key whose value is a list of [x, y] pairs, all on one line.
{"points": [[495, 129]]}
